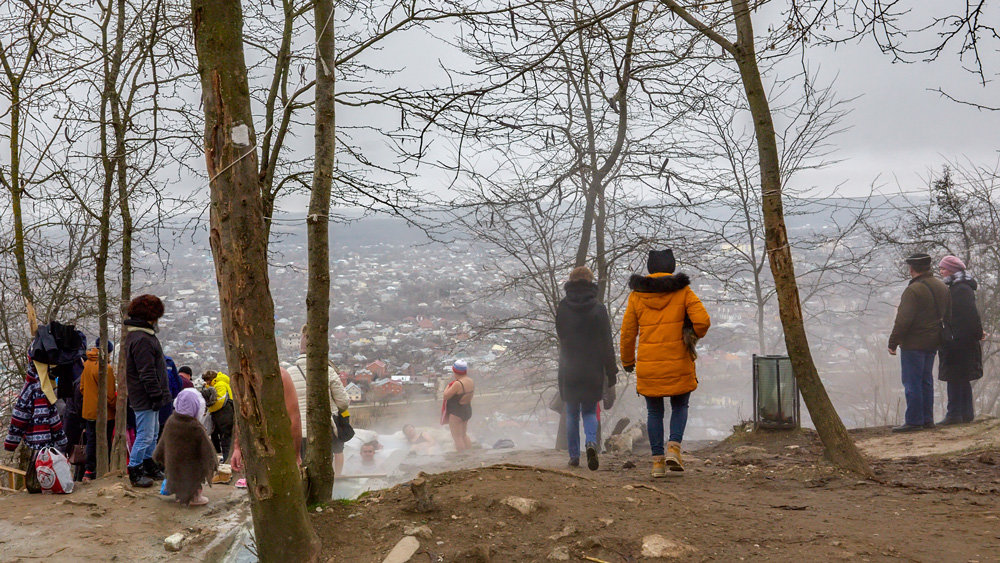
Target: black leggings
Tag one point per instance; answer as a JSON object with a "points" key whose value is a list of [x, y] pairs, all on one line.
{"points": [[92, 444], [222, 435]]}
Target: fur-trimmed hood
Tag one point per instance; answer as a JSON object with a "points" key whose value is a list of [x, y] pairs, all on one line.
{"points": [[658, 283]]}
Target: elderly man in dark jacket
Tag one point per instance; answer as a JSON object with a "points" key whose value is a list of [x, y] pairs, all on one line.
{"points": [[962, 356], [586, 360], [148, 390], [918, 331]]}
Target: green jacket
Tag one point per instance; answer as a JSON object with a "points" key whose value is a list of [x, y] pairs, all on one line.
{"points": [[926, 300]]}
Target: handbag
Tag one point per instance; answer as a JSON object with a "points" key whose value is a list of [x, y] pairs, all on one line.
{"points": [[344, 429], [78, 455]]}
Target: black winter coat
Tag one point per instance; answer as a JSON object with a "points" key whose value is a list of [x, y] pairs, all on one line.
{"points": [[586, 350], [962, 359], [145, 368]]}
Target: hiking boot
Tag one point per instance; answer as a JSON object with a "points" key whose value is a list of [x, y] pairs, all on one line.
{"points": [[930, 426], [138, 477], [592, 462], [907, 428], [673, 457], [152, 470], [659, 466], [574, 462], [949, 422]]}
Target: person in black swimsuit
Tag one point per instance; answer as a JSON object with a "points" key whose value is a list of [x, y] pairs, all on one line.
{"points": [[458, 404]]}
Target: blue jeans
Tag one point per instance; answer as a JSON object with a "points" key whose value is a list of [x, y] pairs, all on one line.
{"points": [[917, 367], [147, 426], [654, 420], [573, 415]]}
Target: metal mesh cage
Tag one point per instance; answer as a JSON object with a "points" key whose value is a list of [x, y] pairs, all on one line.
{"points": [[776, 393]]}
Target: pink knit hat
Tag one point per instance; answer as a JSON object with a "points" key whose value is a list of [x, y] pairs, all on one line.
{"points": [[952, 264]]}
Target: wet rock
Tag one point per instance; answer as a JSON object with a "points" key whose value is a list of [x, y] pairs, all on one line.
{"points": [[422, 532], [403, 550], [655, 545], [526, 506], [174, 542], [559, 553]]}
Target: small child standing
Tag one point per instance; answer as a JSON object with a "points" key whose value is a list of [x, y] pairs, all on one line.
{"points": [[185, 450]]}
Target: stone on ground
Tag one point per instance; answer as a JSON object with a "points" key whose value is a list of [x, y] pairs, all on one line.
{"points": [[419, 531], [559, 553], [174, 542], [403, 550], [655, 545], [526, 506]]}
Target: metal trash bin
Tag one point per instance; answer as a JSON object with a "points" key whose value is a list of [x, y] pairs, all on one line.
{"points": [[775, 393]]}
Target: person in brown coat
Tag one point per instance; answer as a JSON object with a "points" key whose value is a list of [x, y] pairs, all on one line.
{"points": [[185, 450], [918, 331], [88, 389]]}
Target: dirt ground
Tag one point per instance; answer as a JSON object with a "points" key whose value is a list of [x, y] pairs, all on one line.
{"points": [[754, 497], [108, 521]]}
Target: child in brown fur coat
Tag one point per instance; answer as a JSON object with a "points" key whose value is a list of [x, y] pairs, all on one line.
{"points": [[185, 450]]}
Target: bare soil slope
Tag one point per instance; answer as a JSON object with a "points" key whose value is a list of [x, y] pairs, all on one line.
{"points": [[753, 497], [106, 520]]}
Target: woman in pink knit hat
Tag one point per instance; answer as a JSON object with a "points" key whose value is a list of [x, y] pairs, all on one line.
{"points": [[962, 356]]}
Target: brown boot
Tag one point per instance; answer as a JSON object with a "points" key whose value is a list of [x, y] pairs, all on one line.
{"points": [[659, 466], [673, 457]]}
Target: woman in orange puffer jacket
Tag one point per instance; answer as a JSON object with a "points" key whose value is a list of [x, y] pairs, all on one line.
{"points": [[659, 308]]}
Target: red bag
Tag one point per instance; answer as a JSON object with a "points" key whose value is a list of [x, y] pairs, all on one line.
{"points": [[54, 472], [444, 407]]}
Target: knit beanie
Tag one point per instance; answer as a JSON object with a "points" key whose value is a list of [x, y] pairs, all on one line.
{"points": [[460, 367], [952, 264], [185, 369], [661, 261], [190, 402]]}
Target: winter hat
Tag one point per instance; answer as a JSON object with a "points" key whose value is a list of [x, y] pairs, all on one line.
{"points": [[661, 261], [460, 367], [187, 370], [111, 345], [952, 264], [190, 402], [919, 261]]}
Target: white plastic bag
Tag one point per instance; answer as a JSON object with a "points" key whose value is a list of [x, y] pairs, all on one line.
{"points": [[55, 475]]}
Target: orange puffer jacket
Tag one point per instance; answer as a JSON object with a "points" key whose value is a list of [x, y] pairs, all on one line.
{"points": [[655, 314]]}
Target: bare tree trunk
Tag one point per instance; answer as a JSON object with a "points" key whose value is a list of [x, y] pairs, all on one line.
{"points": [[239, 246], [16, 191], [109, 98], [319, 463], [839, 447]]}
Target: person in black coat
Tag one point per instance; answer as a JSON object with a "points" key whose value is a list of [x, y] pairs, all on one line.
{"points": [[587, 360], [962, 357], [148, 390]]}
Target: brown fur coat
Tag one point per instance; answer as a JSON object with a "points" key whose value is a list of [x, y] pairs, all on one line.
{"points": [[187, 455]]}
